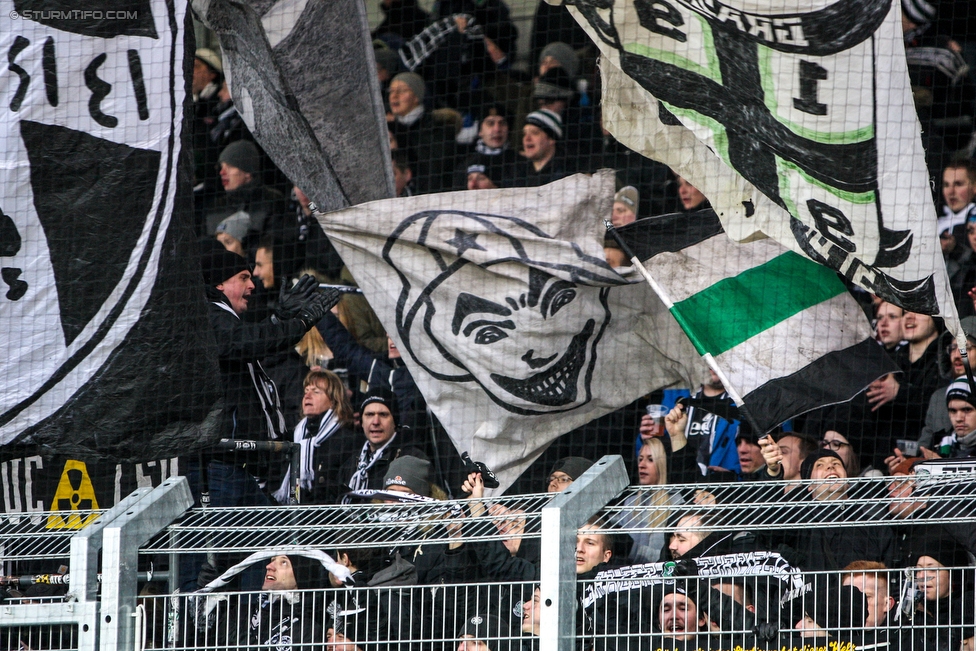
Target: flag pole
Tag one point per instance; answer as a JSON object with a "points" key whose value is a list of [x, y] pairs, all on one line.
{"points": [[668, 303]]}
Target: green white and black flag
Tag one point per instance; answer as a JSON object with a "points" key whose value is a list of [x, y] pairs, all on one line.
{"points": [[783, 329], [796, 121], [516, 330]]}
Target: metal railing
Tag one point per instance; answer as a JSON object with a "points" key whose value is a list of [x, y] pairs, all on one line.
{"points": [[619, 608]]}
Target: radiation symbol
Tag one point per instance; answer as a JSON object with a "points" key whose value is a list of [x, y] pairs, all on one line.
{"points": [[75, 493]]}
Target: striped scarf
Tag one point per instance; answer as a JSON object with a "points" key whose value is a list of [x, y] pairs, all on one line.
{"points": [[367, 459], [309, 434]]}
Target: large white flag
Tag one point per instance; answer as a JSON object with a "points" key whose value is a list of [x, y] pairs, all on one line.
{"points": [[513, 326], [796, 121], [516, 330]]}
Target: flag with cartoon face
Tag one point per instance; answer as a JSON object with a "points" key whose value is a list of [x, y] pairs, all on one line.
{"points": [[101, 308], [514, 327], [796, 122]]}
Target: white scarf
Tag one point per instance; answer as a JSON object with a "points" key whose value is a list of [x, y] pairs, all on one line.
{"points": [[950, 219], [308, 441], [367, 459]]}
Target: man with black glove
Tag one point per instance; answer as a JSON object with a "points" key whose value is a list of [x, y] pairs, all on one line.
{"points": [[252, 409]]}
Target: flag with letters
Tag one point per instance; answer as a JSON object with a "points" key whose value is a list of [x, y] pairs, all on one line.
{"points": [[797, 123], [101, 301]]}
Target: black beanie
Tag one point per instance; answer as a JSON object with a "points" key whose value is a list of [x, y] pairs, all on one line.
{"points": [[572, 466], [218, 264], [242, 154], [383, 396], [309, 573], [806, 468]]}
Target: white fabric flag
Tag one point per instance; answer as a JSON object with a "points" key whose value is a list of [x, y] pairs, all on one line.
{"points": [[513, 326], [795, 120]]}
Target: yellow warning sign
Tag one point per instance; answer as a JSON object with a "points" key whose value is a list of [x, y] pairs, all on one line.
{"points": [[75, 493]]}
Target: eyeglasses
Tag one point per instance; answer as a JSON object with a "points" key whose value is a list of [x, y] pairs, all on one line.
{"points": [[561, 480], [834, 444], [953, 347]]}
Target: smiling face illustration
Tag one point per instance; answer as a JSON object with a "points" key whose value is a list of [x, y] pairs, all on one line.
{"points": [[528, 337]]}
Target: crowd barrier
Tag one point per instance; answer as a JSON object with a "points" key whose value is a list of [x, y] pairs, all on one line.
{"points": [[126, 591]]}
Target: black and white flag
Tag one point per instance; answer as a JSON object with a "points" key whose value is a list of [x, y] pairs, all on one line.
{"points": [[303, 77], [797, 123], [100, 309], [513, 326]]}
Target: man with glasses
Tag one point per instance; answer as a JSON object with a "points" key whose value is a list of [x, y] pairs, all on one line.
{"points": [[565, 472]]}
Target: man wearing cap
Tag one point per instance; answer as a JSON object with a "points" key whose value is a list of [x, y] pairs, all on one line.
{"points": [[492, 150], [543, 163], [380, 417], [625, 206], [960, 441], [240, 166], [252, 409], [430, 146], [478, 630], [564, 472]]}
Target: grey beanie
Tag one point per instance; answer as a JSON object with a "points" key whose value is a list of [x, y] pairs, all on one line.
{"points": [[236, 225], [629, 196], [211, 58], [242, 154], [415, 82], [409, 472], [564, 54]]}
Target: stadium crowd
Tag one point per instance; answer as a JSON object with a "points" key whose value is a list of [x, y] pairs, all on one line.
{"points": [[316, 367]]}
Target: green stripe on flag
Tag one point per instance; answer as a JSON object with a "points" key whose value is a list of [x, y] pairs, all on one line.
{"points": [[735, 309]]}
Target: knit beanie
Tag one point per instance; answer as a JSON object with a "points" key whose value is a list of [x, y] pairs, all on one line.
{"points": [[242, 154], [409, 472], [548, 121], [385, 397], [210, 58], [629, 196], [415, 83], [236, 225], [564, 54], [806, 468], [218, 264], [309, 573], [960, 390], [572, 466]]}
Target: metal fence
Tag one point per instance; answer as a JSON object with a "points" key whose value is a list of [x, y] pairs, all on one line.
{"points": [[732, 595]]}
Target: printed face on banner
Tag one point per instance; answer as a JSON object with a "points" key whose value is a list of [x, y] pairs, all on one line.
{"points": [[786, 99], [527, 337], [91, 135]]}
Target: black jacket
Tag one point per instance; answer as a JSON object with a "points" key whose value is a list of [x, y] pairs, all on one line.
{"points": [[240, 346]]}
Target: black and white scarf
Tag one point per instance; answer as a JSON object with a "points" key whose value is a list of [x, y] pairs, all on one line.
{"points": [[367, 459], [484, 149], [310, 433]]}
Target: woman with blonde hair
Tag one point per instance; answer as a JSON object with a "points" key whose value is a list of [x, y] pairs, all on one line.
{"points": [[647, 525], [326, 437]]}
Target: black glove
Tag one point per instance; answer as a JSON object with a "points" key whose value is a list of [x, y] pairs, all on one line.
{"points": [[207, 574], [292, 299], [317, 305]]}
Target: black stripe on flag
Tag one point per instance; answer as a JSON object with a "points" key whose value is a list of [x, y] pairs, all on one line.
{"points": [[834, 378], [669, 233]]}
